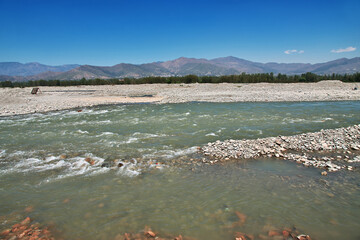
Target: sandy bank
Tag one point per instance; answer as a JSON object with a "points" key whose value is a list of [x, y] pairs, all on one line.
{"points": [[20, 101]]}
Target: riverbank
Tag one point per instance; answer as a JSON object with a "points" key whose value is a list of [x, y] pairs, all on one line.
{"points": [[307, 148], [16, 101]]}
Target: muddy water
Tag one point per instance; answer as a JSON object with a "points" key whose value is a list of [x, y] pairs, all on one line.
{"points": [[43, 165]]}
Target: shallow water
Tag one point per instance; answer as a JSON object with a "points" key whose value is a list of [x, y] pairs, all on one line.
{"points": [[42, 163]]}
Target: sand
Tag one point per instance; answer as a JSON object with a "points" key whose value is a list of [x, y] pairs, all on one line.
{"points": [[16, 101]]}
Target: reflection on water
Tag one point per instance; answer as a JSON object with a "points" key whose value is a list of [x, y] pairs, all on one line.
{"points": [[44, 163]]}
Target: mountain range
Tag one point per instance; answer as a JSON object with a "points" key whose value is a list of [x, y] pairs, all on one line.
{"points": [[14, 71], [28, 69]]}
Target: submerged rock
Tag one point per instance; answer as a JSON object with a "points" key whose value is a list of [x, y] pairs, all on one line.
{"points": [[273, 233], [26, 221], [150, 234], [24, 230], [29, 209]]}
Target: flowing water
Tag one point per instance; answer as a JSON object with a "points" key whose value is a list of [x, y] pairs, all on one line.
{"points": [[162, 181]]}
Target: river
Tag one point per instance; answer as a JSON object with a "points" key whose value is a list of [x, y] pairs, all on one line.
{"points": [[108, 170]]}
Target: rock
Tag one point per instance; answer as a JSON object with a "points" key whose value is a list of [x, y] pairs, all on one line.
{"points": [[90, 161], [303, 237], [120, 165], [242, 217], [150, 233], [333, 222], [285, 234], [105, 164], [353, 147], [17, 225], [331, 195], [24, 233], [46, 231], [127, 236], [243, 236], [273, 233], [5, 232], [62, 156], [29, 209], [26, 221]]}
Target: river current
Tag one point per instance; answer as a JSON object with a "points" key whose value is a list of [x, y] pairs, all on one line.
{"points": [[108, 170]]}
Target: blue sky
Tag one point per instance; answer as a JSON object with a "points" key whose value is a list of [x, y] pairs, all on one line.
{"points": [[106, 32]]}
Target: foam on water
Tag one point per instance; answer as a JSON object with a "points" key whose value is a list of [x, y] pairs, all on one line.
{"points": [[323, 119], [73, 166], [21, 153], [169, 154], [105, 134], [82, 132], [211, 134], [258, 131], [2, 153], [148, 135], [293, 120], [132, 140], [105, 121], [21, 163]]}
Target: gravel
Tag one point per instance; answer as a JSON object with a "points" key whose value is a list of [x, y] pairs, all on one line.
{"points": [[19, 100], [302, 148]]}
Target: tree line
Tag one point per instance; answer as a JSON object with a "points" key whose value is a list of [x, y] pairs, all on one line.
{"points": [[242, 78]]}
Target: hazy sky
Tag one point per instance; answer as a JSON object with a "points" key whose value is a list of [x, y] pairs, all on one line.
{"points": [[107, 32]]}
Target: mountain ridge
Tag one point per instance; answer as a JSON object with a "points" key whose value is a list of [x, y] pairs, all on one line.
{"points": [[183, 66]]}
